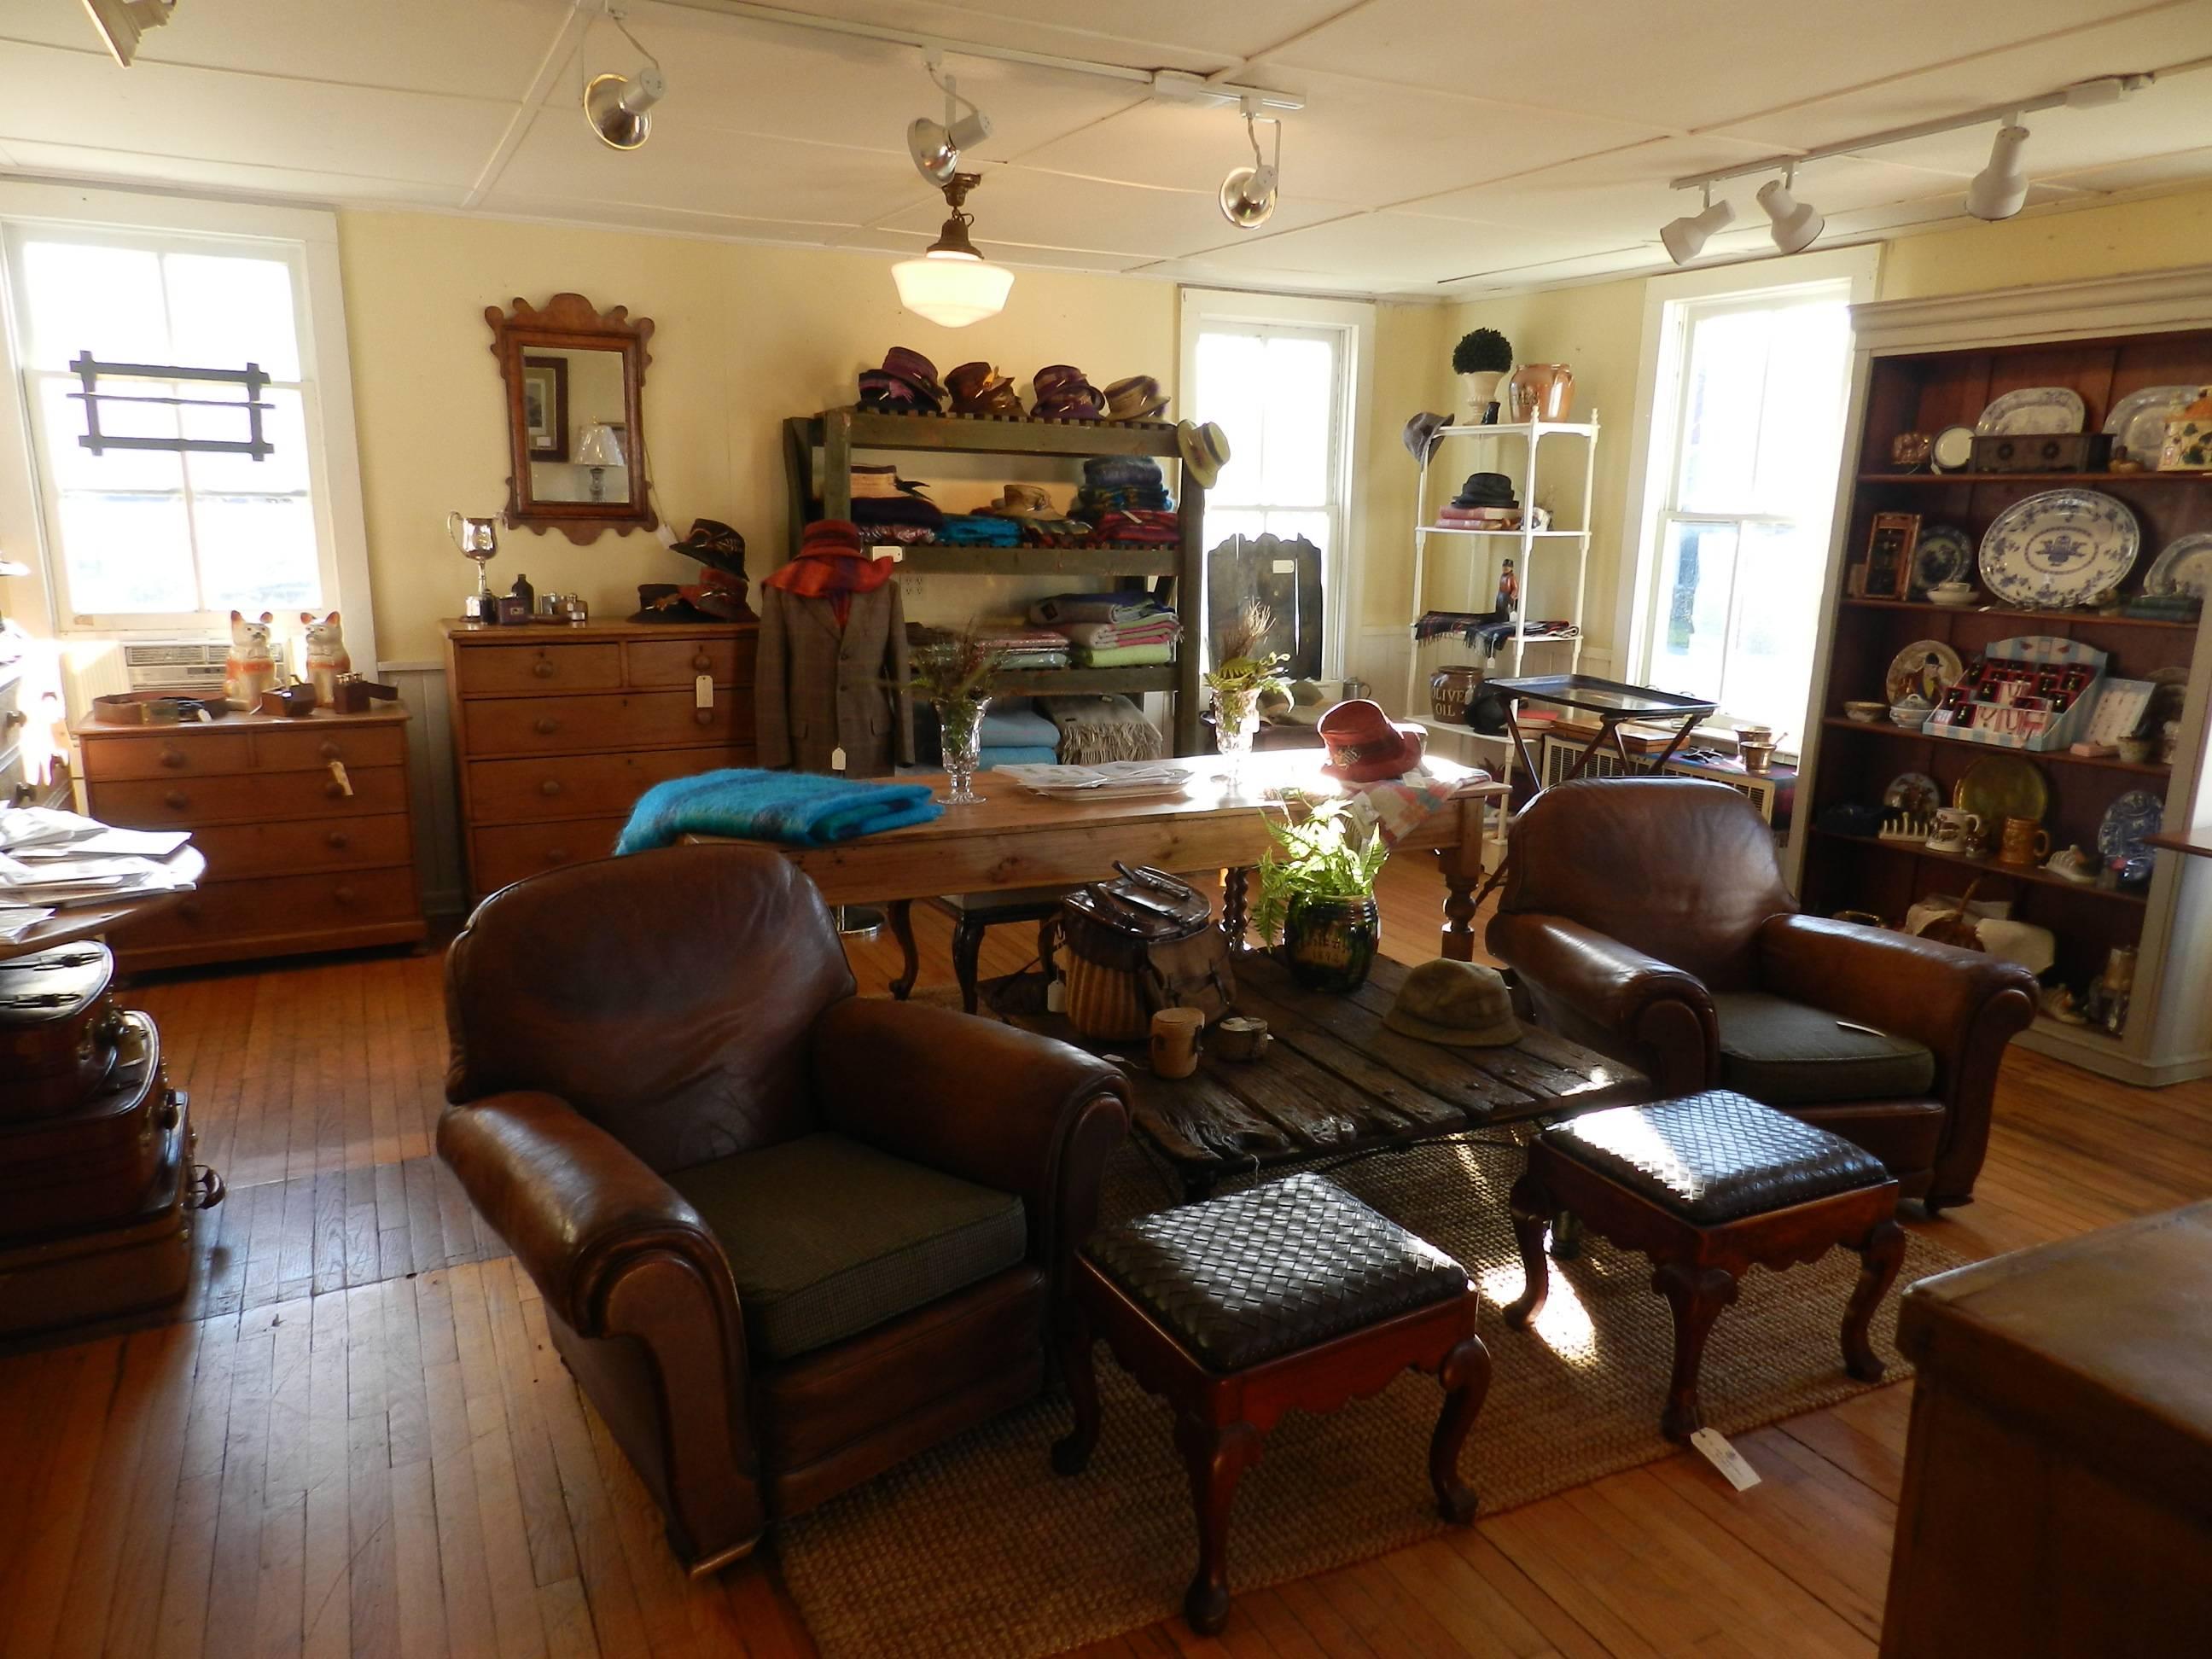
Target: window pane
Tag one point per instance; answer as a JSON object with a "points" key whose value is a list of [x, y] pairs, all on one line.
{"points": [[1314, 526], [257, 553], [1294, 435], [1720, 414], [227, 312], [1770, 661], [1689, 642], [1220, 526], [1232, 390], [283, 424], [86, 297], [1801, 424], [127, 553], [75, 467]]}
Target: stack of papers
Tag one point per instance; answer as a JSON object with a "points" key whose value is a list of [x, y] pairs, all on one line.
{"points": [[1108, 780], [50, 859]]}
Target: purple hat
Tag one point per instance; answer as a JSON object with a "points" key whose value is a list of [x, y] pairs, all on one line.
{"points": [[907, 382]]}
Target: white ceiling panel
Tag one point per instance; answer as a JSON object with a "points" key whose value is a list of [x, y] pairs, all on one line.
{"points": [[1400, 248], [677, 221], [2146, 173], [231, 178], [1686, 65], [1210, 35], [908, 244]]}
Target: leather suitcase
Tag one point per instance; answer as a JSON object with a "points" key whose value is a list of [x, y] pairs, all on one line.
{"points": [[57, 1029], [94, 1165], [96, 1273]]}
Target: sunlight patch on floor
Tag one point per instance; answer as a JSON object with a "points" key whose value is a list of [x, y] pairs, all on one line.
{"points": [[1565, 1325]]}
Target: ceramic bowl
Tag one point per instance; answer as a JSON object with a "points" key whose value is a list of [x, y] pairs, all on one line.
{"points": [[1951, 593], [2136, 750], [1911, 713], [1864, 711]]}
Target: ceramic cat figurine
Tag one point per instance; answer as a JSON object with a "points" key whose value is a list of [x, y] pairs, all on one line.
{"points": [[325, 658], [250, 669]]}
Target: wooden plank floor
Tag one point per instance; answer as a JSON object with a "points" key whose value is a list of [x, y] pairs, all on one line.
{"points": [[355, 1437]]}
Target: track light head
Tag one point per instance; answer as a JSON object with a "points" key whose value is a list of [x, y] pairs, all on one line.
{"points": [[1796, 224], [936, 146], [1248, 194], [2000, 190], [1686, 237], [122, 22], [615, 107]]}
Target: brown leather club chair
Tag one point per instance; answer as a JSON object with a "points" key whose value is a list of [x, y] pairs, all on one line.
{"points": [[787, 1236], [1646, 918]]}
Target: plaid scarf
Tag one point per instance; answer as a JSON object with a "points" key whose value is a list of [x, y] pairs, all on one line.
{"points": [[830, 570]]}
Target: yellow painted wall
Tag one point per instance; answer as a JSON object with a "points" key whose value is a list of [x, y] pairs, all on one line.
{"points": [[742, 337], [1598, 330]]}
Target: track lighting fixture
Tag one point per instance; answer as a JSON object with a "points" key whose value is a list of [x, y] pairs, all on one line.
{"points": [[1795, 223], [2000, 190], [122, 22], [615, 106], [951, 283], [1686, 237], [1248, 194], [936, 146]]}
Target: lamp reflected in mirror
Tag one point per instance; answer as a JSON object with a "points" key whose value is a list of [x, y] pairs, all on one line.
{"points": [[600, 448]]}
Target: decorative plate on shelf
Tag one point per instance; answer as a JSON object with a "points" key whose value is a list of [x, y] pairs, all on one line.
{"points": [[2185, 566], [1953, 451], [2036, 409], [2000, 787], [2138, 421], [2062, 548], [1927, 666], [1943, 554], [1913, 793], [2128, 821]]}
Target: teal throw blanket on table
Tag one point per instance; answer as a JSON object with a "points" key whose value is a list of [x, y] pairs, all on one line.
{"points": [[800, 809]]}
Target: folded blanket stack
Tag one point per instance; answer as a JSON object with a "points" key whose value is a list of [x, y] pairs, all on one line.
{"points": [[1129, 605], [1121, 483], [1144, 643], [980, 530], [1016, 754], [798, 809], [1137, 528], [1017, 723], [1028, 647], [1094, 730]]}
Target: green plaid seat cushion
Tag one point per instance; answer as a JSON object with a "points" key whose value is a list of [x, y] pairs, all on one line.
{"points": [[827, 1236]]}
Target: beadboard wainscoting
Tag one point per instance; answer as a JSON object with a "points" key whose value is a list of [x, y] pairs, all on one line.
{"points": [[436, 809]]}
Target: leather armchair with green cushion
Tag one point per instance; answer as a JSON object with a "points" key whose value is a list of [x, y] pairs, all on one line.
{"points": [[1646, 918], [786, 1237]]}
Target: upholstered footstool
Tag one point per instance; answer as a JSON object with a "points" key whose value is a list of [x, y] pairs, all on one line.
{"points": [[1234, 1311], [1707, 1186]]}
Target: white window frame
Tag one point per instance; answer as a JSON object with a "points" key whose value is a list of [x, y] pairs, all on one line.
{"points": [[1659, 390], [1354, 322], [306, 239]]}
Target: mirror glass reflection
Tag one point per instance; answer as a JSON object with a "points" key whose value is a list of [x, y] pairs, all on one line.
{"points": [[574, 410]]}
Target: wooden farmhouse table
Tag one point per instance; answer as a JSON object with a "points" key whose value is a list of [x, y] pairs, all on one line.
{"points": [[1013, 838]]}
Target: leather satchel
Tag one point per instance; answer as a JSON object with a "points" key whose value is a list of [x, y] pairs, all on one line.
{"points": [[1159, 929]]}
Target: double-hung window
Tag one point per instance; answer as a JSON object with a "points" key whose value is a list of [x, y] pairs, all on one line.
{"points": [[1746, 429], [143, 540]]}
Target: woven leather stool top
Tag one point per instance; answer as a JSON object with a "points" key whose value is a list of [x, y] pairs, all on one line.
{"points": [[1258, 1274], [1717, 1157]]}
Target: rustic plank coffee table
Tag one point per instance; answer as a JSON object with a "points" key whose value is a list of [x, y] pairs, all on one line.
{"points": [[1337, 1080]]}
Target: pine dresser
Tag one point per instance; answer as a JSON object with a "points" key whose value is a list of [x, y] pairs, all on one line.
{"points": [[558, 728], [303, 821]]}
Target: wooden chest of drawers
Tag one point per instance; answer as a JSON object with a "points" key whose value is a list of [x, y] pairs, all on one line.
{"points": [[304, 824], [557, 730]]}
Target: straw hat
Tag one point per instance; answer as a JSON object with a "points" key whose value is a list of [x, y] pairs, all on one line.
{"points": [[1018, 500], [1137, 398], [1204, 450]]}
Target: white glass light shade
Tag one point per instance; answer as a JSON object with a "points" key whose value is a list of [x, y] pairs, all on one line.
{"points": [[1686, 237], [954, 289], [2000, 190], [1796, 224], [600, 446]]}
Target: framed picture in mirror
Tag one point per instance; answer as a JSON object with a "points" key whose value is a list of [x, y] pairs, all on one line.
{"points": [[545, 407]]}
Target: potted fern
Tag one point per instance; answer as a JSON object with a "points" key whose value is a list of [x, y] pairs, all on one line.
{"points": [[1480, 360], [1317, 893]]}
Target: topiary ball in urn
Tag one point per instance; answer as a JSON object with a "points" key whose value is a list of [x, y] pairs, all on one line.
{"points": [[1481, 360]]}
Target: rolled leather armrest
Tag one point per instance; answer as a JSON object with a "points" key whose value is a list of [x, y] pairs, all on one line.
{"points": [[997, 1106], [575, 1204], [1664, 1014], [1963, 1004]]}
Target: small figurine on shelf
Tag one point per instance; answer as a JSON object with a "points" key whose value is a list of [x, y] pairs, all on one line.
{"points": [[1509, 589], [324, 655], [250, 669]]}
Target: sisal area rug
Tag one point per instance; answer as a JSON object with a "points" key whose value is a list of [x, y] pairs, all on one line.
{"points": [[978, 1549]]}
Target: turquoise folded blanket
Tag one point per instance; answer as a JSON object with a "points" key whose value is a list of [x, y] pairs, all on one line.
{"points": [[800, 809], [1016, 754]]}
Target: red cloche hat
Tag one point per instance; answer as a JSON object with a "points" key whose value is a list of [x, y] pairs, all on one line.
{"points": [[1364, 746]]}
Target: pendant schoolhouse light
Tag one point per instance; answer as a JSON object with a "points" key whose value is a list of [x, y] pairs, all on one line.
{"points": [[951, 283]]}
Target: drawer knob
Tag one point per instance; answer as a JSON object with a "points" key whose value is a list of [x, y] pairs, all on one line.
{"points": [[173, 757], [546, 726], [336, 790], [701, 662], [329, 751], [703, 716], [542, 669], [338, 838], [176, 800], [343, 894], [556, 855], [551, 786], [12, 719]]}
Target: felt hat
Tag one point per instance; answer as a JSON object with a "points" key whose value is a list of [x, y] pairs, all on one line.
{"points": [[1018, 500], [1364, 746], [978, 388], [714, 542], [1204, 450], [832, 535], [1421, 435], [1061, 391], [1463, 1004], [907, 380], [1485, 490], [1137, 398]]}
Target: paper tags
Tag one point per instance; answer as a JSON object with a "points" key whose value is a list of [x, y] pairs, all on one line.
{"points": [[1725, 1458], [838, 758], [703, 691]]}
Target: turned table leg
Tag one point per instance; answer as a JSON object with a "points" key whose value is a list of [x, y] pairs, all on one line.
{"points": [[1696, 1295], [1071, 1455], [1216, 1458], [1466, 1376], [1235, 898], [900, 914], [966, 959], [1879, 1257], [1533, 1208]]}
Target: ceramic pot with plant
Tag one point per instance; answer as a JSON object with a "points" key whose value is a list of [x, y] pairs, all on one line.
{"points": [[1244, 672], [955, 674], [1480, 360], [1317, 894]]}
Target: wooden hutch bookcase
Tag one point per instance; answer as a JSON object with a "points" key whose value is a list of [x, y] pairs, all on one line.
{"points": [[1925, 365]]}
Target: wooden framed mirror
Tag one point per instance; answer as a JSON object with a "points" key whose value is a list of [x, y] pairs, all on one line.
{"points": [[576, 380]]}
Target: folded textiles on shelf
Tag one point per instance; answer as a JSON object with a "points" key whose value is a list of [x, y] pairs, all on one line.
{"points": [[1129, 605], [1012, 722], [1059, 658], [1140, 528], [1164, 628], [979, 530], [1485, 627], [798, 809], [1124, 656], [1095, 729], [1014, 637], [992, 756]]}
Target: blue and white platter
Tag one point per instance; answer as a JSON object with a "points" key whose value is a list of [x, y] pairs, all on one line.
{"points": [[2138, 421], [2062, 548], [2129, 823], [2033, 409], [2185, 566], [1943, 554]]}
